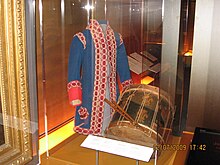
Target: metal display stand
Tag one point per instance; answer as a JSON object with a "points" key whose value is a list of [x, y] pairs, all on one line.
{"points": [[97, 157]]}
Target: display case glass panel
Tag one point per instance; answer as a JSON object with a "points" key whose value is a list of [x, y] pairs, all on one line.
{"points": [[148, 30]]}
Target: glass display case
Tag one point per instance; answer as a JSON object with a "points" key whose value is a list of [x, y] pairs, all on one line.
{"points": [[122, 51]]}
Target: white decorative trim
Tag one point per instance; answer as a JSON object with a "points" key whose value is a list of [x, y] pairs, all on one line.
{"points": [[126, 83], [82, 38], [83, 113], [105, 51], [74, 84], [121, 39]]}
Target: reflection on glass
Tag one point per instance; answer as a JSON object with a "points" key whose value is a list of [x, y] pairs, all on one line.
{"points": [[61, 20], [2, 138], [140, 22]]}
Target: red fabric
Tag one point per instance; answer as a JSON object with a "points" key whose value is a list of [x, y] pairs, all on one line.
{"points": [[75, 93], [136, 78]]}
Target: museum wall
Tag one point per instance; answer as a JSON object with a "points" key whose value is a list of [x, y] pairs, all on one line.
{"points": [[205, 76]]}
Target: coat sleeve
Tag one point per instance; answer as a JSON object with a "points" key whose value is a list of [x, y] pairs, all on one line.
{"points": [[74, 85], [122, 64]]}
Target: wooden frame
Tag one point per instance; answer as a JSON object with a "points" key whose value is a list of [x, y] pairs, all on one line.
{"points": [[17, 147]]}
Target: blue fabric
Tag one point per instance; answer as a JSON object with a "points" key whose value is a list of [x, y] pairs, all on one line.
{"points": [[82, 66]]}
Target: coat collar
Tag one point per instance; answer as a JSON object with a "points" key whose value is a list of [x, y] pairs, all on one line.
{"points": [[98, 22]]}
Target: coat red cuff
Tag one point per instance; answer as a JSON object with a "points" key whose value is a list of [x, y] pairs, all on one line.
{"points": [[75, 92]]}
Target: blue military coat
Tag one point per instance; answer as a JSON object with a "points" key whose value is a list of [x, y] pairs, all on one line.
{"points": [[97, 57]]}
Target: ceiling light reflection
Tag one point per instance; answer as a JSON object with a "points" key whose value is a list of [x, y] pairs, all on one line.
{"points": [[88, 7]]}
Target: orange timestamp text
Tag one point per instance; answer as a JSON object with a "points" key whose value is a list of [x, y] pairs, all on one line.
{"points": [[179, 147]]}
